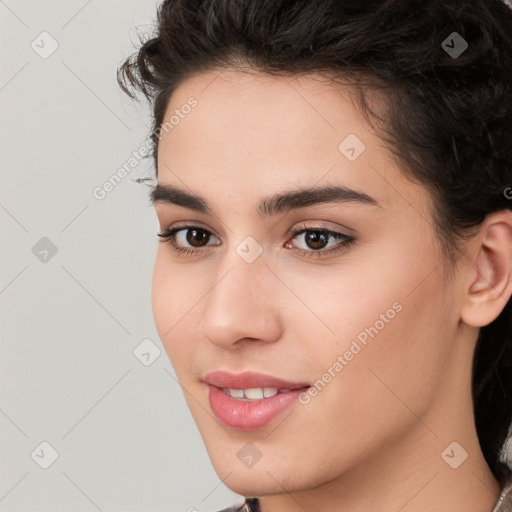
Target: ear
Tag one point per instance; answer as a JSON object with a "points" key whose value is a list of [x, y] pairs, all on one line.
{"points": [[491, 280]]}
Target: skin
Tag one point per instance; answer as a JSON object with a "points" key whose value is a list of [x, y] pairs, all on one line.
{"points": [[373, 437]]}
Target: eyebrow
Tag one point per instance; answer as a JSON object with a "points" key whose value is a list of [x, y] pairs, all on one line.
{"points": [[272, 205]]}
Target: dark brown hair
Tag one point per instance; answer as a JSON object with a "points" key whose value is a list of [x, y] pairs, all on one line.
{"points": [[447, 118]]}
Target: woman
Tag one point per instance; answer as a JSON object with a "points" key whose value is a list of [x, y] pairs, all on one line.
{"points": [[334, 279]]}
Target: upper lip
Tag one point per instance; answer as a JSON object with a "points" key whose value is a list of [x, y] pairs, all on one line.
{"points": [[248, 380]]}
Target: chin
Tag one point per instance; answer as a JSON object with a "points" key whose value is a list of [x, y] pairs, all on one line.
{"points": [[263, 478], [246, 488], [252, 485]]}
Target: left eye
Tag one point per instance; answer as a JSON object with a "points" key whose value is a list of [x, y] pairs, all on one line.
{"points": [[316, 240]]}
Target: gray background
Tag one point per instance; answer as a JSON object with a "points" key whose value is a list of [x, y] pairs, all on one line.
{"points": [[70, 321]]}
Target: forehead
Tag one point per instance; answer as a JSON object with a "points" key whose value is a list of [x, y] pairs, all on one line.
{"points": [[264, 104], [255, 133]]}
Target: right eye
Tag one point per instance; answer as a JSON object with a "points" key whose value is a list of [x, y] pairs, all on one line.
{"points": [[177, 237]]}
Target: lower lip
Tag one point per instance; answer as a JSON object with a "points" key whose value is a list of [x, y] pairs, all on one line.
{"points": [[244, 414]]}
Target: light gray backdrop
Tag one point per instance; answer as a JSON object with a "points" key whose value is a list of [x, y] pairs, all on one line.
{"points": [[91, 416]]}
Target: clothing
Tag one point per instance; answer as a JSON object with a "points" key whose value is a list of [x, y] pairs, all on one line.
{"points": [[504, 503], [249, 505]]}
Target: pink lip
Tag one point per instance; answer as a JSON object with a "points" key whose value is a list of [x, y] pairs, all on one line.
{"points": [[244, 414], [247, 380]]}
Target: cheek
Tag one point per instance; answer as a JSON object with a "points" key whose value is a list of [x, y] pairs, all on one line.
{"points": [[366, 397], [361, 296], [172, 299], [377, 326], [161, 298]]}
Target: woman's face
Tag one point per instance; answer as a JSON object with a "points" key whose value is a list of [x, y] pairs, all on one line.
{"points": [[355, 308]]}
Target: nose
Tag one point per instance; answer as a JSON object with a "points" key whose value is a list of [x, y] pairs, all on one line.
{"points": [[242, 305]]}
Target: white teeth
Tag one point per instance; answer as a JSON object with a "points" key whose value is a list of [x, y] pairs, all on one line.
{"points": [[252, 393], [267, 392]]}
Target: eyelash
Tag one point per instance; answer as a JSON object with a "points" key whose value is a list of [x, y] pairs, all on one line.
{"points": [[346, 240]]}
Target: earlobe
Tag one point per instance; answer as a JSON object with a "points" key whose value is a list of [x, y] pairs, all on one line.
{"points": [[491, 286]]}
